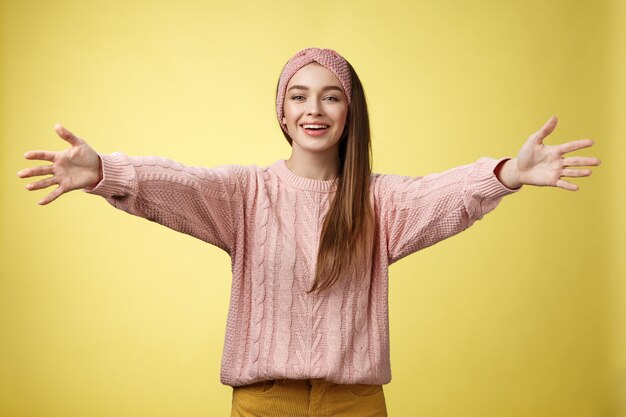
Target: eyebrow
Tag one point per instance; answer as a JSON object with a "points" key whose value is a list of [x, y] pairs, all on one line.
{"points": [[304, 87]]}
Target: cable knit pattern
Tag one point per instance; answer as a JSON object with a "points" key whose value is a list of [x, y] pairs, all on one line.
{"points": [[269, 221]]}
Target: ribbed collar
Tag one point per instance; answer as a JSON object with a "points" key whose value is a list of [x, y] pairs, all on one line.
{"points": [[302, 183]]}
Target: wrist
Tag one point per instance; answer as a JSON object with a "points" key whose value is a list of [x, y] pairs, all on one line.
{"points": [[507, 173], [99, 174]]}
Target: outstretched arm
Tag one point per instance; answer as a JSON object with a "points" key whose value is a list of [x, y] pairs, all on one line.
{"points": [[543, 165], [74, 168], [202, 202]]}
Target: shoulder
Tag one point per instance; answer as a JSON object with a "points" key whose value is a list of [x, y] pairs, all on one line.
{"points": [[384, 183], [248, 177]]}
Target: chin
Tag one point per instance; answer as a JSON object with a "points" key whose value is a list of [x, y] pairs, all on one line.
{"points": [[316, 148]]}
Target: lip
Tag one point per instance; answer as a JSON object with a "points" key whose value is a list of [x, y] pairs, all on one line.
{"points": [[315, 132], [314, 123]]}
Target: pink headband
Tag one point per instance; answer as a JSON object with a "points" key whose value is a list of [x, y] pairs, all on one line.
{"points": [[326, 57]]}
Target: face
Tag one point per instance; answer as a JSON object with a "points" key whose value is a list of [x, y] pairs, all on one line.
{"points": [[314, 96]]}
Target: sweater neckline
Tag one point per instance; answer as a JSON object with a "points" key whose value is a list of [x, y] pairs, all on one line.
{"points": [[302, 183]]}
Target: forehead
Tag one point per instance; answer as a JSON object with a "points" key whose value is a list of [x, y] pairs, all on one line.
{"points": [[314, 75]]}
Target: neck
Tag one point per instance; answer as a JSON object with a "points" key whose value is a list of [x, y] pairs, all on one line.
{"points": [[316, 167]]}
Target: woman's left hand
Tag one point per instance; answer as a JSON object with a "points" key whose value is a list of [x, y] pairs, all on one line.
{"points": [[544, 165]]}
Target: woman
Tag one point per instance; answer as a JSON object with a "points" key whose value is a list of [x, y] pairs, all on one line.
{"points": [[311, 237]]}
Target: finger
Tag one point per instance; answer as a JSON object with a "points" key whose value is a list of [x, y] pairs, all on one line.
{"points": [[41, 155], [51, 197], [46, 182], [580, 161], [545, 130], [575, 145], [39, 170], [576, 172], [67, 135], [566, 185]]}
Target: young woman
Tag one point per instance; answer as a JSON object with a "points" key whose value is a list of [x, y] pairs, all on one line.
{"points": [[311, 237]]}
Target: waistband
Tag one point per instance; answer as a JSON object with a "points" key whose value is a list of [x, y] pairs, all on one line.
{"points": [[301, 382]]}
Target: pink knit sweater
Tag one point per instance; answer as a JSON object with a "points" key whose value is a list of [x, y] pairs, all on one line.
{"points": [[268, 220]]}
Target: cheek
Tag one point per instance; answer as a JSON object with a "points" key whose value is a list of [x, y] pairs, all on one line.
{"points": [[343, 117], [289, 114]]}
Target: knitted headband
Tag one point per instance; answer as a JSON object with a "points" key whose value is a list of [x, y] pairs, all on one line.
{"points": [[326, 57]]}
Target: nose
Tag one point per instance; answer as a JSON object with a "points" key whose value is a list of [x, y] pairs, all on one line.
{"points": [[314, 107]]}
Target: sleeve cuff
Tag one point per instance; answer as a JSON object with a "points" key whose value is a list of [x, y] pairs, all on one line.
{"points": [[489, 186], [117, 173]]}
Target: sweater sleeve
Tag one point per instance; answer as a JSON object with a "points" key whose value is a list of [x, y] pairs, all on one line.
{"points": [[417, 212], [201, 202]]}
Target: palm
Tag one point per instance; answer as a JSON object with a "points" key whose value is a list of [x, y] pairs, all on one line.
{"points": [[71, 169], [544, 165]]}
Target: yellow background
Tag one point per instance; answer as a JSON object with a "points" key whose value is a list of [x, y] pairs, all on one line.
{"points": [[106, 314]]}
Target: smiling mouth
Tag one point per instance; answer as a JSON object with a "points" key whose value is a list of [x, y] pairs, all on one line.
{"points": [[314, 126], [315, 131]]}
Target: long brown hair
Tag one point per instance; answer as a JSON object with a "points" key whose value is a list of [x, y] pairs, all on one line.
{"points": [[346, 240]]}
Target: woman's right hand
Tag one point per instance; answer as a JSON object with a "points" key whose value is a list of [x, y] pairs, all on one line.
{"points": [[74, 168]]}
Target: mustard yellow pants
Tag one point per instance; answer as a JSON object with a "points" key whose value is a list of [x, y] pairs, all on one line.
{"points": [[308, 398]]}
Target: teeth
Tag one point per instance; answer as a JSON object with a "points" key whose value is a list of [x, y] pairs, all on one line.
{"points": [[314, 126]]}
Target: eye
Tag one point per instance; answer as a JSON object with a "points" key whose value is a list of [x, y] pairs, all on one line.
{"points": [[331, 98]]}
